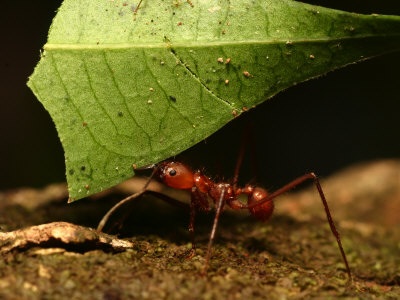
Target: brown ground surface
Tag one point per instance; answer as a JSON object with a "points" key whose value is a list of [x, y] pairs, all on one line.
{"points": [[292, 256]]}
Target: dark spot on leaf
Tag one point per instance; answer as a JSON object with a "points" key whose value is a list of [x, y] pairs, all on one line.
{"points": [[172, 98], [120, 114], [71, 172], [83, 168]]}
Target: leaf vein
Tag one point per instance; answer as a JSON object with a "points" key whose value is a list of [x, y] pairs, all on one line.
{"points": [[194, 75], [125, 100], [72, 102], [95, 97]]}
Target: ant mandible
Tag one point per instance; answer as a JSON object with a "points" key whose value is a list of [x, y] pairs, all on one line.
{"points": [[202, 188]]}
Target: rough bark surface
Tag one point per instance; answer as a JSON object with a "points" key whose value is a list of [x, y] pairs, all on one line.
{"points": [[292, 256]]}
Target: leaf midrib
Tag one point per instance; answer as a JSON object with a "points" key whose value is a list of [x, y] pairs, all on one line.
{"points": [[201, 44]]}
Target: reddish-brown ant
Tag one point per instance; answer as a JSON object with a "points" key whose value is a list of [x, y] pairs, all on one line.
{"points": [[259, 202]]}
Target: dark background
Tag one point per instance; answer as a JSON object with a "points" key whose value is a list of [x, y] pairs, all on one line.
{"points": [[348, 116]]}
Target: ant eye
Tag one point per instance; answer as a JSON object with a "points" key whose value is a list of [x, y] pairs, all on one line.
{"points": [[172, 172]]}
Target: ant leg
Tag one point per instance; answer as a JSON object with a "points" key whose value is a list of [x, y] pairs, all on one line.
{"points": [[247, 138], [116, 206], [168, 199], [294, 183], [331, 223], [144, 190], [122, 202], [218, 211], [198, 201], [192, 220], [238, 165]]}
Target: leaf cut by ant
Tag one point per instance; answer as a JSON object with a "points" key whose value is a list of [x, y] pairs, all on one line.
{"points": [[133, 85]]}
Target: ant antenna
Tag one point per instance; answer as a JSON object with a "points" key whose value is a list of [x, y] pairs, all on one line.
{"points": [[104, 220]]}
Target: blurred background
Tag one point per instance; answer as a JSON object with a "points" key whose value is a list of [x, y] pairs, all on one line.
{"points": [[345, 117]]}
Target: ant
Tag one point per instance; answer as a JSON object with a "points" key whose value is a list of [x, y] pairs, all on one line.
{"points": [[259, 202]]}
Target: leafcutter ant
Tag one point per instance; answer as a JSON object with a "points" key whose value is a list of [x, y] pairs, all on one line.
{"points": [[206, 193]]}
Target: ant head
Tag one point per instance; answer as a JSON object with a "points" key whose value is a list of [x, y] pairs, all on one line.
{"points": [[263, 211], [175, 175]]}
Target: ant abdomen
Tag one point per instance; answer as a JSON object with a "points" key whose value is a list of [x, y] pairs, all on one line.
{"points": [[263, 211]]}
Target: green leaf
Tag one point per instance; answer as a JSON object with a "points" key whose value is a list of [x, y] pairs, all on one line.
{"points": [[131, 88]]}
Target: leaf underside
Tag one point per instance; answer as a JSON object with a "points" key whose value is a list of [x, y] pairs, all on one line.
{"points": [[129, 88]]}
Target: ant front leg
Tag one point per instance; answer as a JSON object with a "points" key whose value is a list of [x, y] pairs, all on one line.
{"points": [[198, 201], [219, 206], [257, 206], [105, 218]]}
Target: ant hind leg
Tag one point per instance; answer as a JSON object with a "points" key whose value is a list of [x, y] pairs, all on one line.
{"points": [[296, 182]]}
